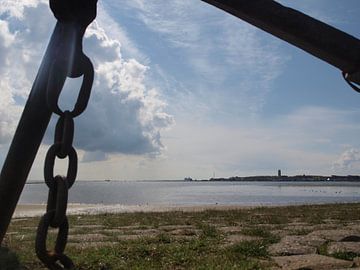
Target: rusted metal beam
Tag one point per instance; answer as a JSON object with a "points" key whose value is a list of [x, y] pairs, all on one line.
{"points": [[313, 36]]}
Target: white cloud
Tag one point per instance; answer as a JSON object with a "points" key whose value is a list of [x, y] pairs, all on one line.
{"points": [[227, 60], [348, 160], [16, 8], [308, 141], [94, 156], [125, 115]]}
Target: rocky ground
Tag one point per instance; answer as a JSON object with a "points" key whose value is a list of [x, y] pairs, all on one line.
{"points": [[264, 238]]}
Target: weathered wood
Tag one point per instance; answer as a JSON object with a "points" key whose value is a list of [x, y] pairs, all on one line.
{"points": [[315, 37]]}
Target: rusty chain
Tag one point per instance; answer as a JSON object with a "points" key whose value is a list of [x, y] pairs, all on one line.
{"points": [[67, 63], [351, 84], [55, 216]]}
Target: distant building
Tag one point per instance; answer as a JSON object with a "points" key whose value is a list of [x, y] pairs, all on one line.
{"points": [[279, 173]]}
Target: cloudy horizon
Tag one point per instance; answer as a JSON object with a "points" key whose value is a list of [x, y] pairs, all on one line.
{"points": [[183, 89]]}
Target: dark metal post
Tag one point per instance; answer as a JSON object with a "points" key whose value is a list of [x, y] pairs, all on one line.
{"points": [[315, 37], [28, 136], [73, 18]]}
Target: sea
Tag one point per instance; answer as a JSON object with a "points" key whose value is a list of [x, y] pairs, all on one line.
{"points": [[200, 193]]}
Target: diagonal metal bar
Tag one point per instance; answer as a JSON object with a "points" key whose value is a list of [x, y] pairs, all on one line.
{"points": [[73, 18], [30, 131], [315, 37]]}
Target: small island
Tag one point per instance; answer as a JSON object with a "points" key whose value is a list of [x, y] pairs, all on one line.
{"points": [[284, 178], [295, 178]]}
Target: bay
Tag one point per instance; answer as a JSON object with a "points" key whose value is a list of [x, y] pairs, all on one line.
{"points": [[196, 193]]}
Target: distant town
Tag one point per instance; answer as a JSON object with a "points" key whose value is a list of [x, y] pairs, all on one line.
{"points": [[285, 178]]}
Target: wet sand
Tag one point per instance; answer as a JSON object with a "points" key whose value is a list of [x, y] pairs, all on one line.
{"points": [[33, 210]]}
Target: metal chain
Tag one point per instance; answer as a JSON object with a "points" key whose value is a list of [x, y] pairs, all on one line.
{"points": [[55, 215], [352, 85]]}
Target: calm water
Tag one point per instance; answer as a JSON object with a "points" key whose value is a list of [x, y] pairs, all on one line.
{"points": [[201, 193]]}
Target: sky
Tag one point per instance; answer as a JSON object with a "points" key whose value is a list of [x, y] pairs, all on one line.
{"points": [[183, 89]]}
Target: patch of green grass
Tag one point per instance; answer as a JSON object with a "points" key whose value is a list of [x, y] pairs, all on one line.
{"points": [[264, 233], [209, 231], [252, 249], [300, 232], [140, 254], [349, 256], [163, 238], [323, 249]]}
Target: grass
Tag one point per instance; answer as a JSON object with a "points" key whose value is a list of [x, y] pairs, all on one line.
{"points": [[265, 234], [209, 231], [176, 240], [323, 249], [249, 249], [349, 256], [8, 260]]}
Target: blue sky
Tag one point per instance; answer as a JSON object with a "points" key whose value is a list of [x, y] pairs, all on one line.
{"points": [[184, 89]]}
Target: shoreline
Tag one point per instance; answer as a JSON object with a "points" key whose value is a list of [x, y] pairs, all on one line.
{"points": [[35, 210]]}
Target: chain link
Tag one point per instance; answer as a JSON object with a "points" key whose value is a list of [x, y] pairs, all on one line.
{"points": [[55, 215], [64, 134], [58, 73], [57, 200], [53, 259], [50, 158], [352, 85]]}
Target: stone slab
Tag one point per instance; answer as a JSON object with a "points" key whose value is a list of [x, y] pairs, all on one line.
{"points": [[344, 247], [87, 237], [296, 245], [312, 261], [333, 235]]}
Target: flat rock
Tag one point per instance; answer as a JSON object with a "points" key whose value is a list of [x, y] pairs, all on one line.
{"points": [[175, 227], [292, 249], [147, 232], [128, 237], [110, 231], [280, 233], [84, 245], [95, 237], [354, 226], [357, 268], [356, 261], [89, 226], [231, 229], [298, 226], [237, 238], [333, 235], [296, 245], [135, 227], [186, 232], [312, 261], [337, 247]]}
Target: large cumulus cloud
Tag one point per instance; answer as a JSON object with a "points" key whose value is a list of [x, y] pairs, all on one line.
{"points": [[349, 159], [124, 115]]}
